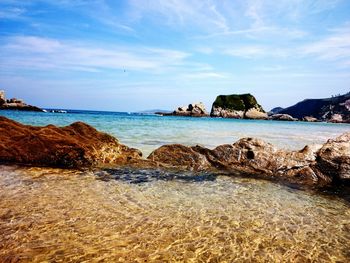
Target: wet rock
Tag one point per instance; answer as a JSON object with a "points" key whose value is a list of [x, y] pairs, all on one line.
{"points": [[333, 159], [282, 117], [76, 145], [313, 165], [180, 156]]}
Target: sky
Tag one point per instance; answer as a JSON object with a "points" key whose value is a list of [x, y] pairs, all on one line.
{"points": [[131, 55]]}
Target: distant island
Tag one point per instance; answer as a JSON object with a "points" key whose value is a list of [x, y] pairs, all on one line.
{"points": [[15, 104], [245, 106], [335, 109]]}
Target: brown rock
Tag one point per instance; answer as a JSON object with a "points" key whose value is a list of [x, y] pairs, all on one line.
{"points": [[333, 159], [254, 157], [75, 145]]}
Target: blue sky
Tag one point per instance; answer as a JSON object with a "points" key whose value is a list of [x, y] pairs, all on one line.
{"points": [[144, 54]]}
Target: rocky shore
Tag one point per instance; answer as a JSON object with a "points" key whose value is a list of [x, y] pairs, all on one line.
{"points": [[82, 146], [245, 106], [196, 109], [15, 104]]}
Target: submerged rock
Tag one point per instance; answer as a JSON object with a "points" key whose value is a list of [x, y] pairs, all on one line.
{"points": [[333, 159], [76, 145], [237, 106]]}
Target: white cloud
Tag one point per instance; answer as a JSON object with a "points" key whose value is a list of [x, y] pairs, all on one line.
{"points": [[43, 53], [203, 14], [257, 51], [333, 47]]}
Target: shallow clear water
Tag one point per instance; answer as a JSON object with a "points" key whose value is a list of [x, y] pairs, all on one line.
{"points": [[148, 132], [52, 215]]}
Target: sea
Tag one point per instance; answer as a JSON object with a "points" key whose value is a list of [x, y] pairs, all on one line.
{"points": [[144, 215]]}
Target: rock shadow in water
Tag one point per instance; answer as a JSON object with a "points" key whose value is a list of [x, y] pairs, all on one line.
{"points": [[138, 176]]}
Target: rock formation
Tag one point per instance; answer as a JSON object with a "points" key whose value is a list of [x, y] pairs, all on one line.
{"points": [[282, 117], [237, 106], [317, 166], [80, 145], [310, 119], [194, 110], [334, 109], [76, 145], [333, 159], [15, 104]]}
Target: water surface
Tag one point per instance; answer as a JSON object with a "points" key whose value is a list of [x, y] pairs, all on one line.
{"points": [[52, 215], [148, 132]]}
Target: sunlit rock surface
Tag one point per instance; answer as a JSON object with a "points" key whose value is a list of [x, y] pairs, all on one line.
{"points": [[76, 145]]}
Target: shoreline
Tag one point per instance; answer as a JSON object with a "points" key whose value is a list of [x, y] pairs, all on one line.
{"points": [[80, 145]]}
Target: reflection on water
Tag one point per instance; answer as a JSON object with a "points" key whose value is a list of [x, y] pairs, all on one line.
{"points": [[70, 216]]}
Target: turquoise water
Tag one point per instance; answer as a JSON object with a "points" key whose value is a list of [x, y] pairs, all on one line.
{"points": [[148, 132], [62, 215]]}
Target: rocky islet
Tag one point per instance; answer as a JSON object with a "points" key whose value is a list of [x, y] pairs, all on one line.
{"points": [[15, 104]]}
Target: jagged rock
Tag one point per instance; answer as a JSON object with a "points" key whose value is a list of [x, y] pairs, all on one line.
{"points": [[194, 109], [282, 117], [254, 157], [76, 145], [237, 106], [333, 159], [80, 145], [310, 119], [226, 113]]}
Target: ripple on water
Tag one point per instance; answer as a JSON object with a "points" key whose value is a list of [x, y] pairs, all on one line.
{"points": [[63, 215]]}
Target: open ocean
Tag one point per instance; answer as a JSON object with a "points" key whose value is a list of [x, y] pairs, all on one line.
{"points": [[62, 215]]}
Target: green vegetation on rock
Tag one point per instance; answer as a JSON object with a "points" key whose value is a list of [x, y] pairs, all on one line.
{"points": [[236, 102]]}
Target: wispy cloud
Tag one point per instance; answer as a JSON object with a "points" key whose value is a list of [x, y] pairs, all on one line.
{"points": [[202, 14], [336, 46], [12, 12], [35, 52], [257, 51]]}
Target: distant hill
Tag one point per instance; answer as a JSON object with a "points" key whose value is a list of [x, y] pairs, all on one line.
{"points": [[276, 110], [322, 109]]}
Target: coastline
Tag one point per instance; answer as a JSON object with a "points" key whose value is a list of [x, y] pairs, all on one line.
{"points": [[80, 145]]}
